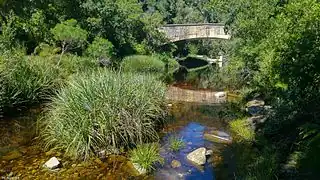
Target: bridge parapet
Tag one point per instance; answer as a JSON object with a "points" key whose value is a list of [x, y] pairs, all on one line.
{"points": [[178, 32]]}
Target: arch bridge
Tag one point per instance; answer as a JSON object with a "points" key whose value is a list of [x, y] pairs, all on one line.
{"points": [[178, 32]]}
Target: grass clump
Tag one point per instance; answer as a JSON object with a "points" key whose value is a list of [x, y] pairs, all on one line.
{"points": [[242, 130], [31, 80], [146, 155], [103, 110], [27, 80], [149, 64], [176, 143], [142, 64]]}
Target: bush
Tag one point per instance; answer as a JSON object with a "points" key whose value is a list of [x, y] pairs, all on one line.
{"points": [[142, 64], [146, 156], [103, 111]]}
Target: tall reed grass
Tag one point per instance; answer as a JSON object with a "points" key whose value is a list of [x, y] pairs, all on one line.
{"points": [[31, 80], [104, 110]]}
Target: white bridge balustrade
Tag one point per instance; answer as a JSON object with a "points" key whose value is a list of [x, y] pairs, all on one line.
{"points": [[178, 32]]}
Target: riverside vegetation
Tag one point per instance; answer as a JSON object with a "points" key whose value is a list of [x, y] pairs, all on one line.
{"points": [[50, 52]]}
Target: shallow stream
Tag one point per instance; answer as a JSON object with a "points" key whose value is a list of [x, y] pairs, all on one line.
{"points": [[22, 157]]}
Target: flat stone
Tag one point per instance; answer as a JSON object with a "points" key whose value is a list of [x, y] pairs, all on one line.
{"points": [[218, 137], [198, 156], [255, 102], [53, 163], [175, 164], [12, 155]]}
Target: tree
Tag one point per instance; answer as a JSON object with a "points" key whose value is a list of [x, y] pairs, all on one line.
{"points": [[69, 35]]}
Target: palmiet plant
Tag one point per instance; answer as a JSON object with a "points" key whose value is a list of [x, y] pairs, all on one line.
{"points": [[104, 110], [146, 155]]}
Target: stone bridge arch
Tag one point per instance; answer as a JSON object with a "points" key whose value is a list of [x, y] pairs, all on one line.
{"points": [[178, 32]]}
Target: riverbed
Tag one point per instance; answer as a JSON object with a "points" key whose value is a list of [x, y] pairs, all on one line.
{"points": [[22, 155]]}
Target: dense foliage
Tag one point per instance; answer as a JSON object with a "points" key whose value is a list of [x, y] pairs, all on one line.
{"points": [[278, 50]]}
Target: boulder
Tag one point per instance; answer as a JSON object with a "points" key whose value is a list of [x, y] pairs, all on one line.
{"points": [[53, 163], [175, 164], [198, 156]]}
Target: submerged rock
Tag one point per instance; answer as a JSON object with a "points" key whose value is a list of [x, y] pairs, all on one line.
{"points": [[53, 163], [218, 137], [175, 164], [198, 156]]}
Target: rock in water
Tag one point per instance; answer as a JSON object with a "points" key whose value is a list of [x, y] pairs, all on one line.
{"points": [[175, 164], [53, 163], [198, 156], [209, 152], [255, 102], [218, 137]]}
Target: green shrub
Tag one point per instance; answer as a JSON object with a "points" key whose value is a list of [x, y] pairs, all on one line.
{"points": [[146, 155], [143, 64], [175, 143], [102, 111]]}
